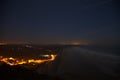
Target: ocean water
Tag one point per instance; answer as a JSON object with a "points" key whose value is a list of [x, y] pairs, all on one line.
{"points": [[80, 63]]}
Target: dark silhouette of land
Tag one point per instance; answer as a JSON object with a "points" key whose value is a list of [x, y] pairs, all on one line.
{"points": [[71, 63]]}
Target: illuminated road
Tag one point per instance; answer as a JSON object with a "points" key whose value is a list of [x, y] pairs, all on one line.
{"points": [[75, 63]]}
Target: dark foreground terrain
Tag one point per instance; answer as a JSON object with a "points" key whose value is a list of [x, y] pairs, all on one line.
{"points": [[20, 73], [71, 63]]}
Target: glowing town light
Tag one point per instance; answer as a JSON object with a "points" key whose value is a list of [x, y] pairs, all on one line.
{"points": [[14, 61]]}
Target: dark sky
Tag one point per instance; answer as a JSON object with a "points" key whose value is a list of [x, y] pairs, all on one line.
{"points": [[60, 21]]}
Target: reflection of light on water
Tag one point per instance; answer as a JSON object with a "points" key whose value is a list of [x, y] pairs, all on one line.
{"points": [[14, 61]]}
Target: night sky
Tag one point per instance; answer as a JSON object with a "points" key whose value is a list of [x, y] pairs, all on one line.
{"points": [[60, 21]]}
